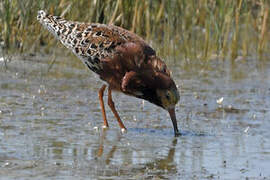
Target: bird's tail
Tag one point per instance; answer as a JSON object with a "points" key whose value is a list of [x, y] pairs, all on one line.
{"points": [[73, 35], [52, 23], [59, 27]]}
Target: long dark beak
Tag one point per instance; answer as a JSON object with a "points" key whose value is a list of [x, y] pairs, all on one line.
{"points": [[173, 118]]}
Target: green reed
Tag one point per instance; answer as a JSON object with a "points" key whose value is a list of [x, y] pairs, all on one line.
{"points": [[188, 29]]}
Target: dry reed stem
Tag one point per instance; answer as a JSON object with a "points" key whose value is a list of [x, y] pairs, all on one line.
{"points": [[263, 30]]}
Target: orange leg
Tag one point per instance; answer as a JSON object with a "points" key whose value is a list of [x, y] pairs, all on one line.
{"points": [[111, 105], [100, 95]]}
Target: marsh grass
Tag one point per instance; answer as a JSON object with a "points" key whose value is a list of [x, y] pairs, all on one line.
{"points": [[187, 29]]}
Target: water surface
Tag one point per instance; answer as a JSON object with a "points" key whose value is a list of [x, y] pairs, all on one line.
{"points": [[50, 124]]}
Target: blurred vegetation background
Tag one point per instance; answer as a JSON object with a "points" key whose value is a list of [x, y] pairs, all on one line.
{"points": [[188, 29]]}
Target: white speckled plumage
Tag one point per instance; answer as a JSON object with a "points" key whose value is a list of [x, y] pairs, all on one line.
{"points": [[89, 42]]}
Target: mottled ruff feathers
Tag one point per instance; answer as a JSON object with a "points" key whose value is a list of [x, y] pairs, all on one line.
{"points": [[121, 58]]}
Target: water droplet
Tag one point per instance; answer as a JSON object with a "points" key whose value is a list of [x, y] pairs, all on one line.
{"points": [[246, 130], [7, 164], [220, 100]]}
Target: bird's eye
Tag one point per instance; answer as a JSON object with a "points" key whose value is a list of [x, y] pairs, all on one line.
{"points": [[168, 95]]}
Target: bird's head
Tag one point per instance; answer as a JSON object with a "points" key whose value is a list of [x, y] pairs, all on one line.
{"points": [[169, 98], [160, 89], [166, 91]]}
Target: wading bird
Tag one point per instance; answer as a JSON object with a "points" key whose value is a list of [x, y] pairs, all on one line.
{"points": [[121, 58]]}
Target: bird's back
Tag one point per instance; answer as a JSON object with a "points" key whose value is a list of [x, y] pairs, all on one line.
{"points": [[93, 42]]}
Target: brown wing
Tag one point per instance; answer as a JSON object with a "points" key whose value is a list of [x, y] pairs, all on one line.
{"points": [[139, 52], [95, 42]]}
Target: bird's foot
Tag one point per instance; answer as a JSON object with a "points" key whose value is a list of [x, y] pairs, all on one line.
{"points": [[105, 127], [176, 134], [123, 130]]}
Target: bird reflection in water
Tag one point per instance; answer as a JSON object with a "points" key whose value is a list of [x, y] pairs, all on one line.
{"points": [[164, 163]]}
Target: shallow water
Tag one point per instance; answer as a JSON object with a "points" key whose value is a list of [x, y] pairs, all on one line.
{"points": [[50, 124]]}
